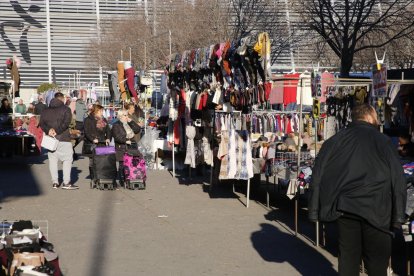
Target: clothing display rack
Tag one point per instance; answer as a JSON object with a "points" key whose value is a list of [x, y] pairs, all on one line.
{"points": [[215, 114]]}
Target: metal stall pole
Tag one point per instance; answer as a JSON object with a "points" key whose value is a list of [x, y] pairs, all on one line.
{"points": [[212, 147], [299, 152], [316, 141]]}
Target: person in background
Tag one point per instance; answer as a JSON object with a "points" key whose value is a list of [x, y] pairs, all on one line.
{"points": [[30, 108], [96, 131], [123, 132], [135, 114], [5, 106], [40, 106], [81, 111], [405, 146], [55, 121], [20, 107], [358, 181]]}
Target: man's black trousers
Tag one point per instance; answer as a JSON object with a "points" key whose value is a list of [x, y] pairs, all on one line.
{"points": [[359, 240]]}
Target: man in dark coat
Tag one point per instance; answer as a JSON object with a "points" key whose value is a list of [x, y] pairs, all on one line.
{"points": [[358, 181], [40, 106], [55, 121]]}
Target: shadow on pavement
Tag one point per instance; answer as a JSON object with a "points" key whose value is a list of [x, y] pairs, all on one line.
{"points": [[74, 174], [279, 247], [102, 236], [17, 179]]}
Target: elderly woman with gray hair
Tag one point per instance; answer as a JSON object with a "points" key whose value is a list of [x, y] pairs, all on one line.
{"points": [[123, 132]]}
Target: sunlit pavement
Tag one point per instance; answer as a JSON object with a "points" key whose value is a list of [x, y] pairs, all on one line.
{"points": [[167, 229]]}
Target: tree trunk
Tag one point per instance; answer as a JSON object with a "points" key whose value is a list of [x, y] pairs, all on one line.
{"points": [[346, 64]]}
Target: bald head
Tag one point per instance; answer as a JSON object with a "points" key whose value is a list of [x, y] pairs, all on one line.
{"points": [[365, 113]]}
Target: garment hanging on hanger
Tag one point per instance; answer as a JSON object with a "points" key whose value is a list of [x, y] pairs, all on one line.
{"points": [[290, 88]]}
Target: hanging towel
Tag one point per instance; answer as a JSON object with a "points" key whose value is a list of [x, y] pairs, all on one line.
{"points": [[395, 88], [208, 153], [121, 77], [327, 79], [291, 191], [290, 88], [305, 88], [190, 159], [232, 166]]}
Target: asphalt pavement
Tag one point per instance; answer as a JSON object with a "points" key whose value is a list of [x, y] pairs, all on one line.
{"points": [[177, 226]]}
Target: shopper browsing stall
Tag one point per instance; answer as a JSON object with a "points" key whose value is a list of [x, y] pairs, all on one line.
{"points": [[96, 131], [123, 132], [358, 181], [137, 115], [55, 121]]}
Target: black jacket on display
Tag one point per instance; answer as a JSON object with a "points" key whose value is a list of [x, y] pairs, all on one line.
{"points": [[119, 134], [92, 132], [357, 172], [57, 116]]}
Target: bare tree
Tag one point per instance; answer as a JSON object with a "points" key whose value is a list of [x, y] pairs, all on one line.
{"points": [[352, 26], [192, 25], [249, 17]]}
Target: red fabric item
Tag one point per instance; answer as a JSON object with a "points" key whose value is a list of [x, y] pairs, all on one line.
{"points": [[267, 89], [181, 106], [177, 132], [226, 63], [290, 88], [289, 126], [327, 79], [203, 101], [56, 266], [276, 94], [130, 75], [3, 257], [36, 132]]}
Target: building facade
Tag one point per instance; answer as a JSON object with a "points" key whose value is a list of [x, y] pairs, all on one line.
{"points": [[51, 36]]}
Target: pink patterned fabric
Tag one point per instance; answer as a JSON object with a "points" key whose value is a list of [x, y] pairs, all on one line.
{"points": [[134, 168], [327, 79]]}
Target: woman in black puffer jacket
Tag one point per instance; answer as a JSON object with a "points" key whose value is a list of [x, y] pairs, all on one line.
{"points": [[97, 132], [123, 132]]}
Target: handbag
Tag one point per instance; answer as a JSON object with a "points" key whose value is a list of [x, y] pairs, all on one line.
{"points": [[104, 150], [87, 148], [49, 142]]}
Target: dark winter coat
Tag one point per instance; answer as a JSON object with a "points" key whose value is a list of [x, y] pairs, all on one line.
{"points": [[39, 107], [5, 110], [358, 172], [92, 132], [119, 134], [57, 116]]}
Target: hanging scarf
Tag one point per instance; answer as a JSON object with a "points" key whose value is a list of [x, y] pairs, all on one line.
{"points": [[190, 156], [129, 132]]}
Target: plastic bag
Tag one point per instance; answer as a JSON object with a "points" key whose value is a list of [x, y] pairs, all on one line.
{"points": [[146, 146]]}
